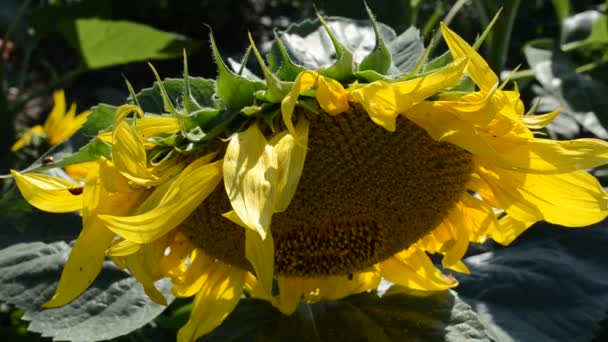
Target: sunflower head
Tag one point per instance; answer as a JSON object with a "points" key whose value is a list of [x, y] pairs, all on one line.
{"points": [[340, 165]]}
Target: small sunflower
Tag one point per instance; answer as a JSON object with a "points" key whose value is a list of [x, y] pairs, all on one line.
{"points": [[58, 126], [324, 185]]}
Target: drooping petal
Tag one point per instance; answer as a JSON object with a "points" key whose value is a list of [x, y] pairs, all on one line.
{"points": [[139, 267], [88, 254], [573, 199], [413, 269], [250, 178], [171, 207], [49, 193], [259, 252], [304, 81], [384, 101], [478, 69], [332, 96], [123, 111], [213, 303], [290, 156]]}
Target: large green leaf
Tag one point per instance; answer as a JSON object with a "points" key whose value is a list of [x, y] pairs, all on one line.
{"points": [[550, 286], [102, 43], [114, 305], [395, 316], [308, 43], [582, 100]]}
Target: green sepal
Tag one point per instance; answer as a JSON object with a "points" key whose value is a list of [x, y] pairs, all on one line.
{"points": [[380, 59], [190, 104], [309, 104], [132, 95], [169, 108], [235, 91], [344, 67], [287, 70], [275, 91]]}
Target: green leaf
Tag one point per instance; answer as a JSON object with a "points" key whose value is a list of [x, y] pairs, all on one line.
{"points": [[407, 50], [44, 19], [396, 316], [549, 286], [588, 29], [308, 45], [583, 102], [114, 305], [103, 43]]}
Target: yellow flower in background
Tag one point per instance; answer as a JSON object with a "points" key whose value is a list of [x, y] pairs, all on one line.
{"points": [[330, 203], [59, 125]]}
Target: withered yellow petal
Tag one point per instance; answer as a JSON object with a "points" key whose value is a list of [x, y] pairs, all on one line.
{"points": [[478, 69], [213, 303], [291, 155], [184, 195], [49, 193], [250, 178]]}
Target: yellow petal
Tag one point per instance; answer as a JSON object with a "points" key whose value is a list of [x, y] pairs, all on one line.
{"points": [[290, 157], [27, 137], [129, 154], [304, 81], [123, 111], [552, 156], [260, 253], [83, 265], [56, 116], [385, 101], [123, 248], [459, 267], [49, 193], [290, 294], [150, 126], [413, 269], [478, 69], [79, 171], [573, 199], [250, 178], [139, 268], [509, 229], [331, 96], [196, 275], [539, 121], [213, 303], [171, 207]]}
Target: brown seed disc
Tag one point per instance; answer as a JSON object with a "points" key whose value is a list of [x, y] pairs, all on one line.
{"points": [[364, 195]]}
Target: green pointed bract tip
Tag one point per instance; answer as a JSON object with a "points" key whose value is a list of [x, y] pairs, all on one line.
{"points": [[344, 67], [380, 59], [274, 92], [244, 61], [190, 104], [234, 90], [132, 92], [288, 71], [163, 93]]}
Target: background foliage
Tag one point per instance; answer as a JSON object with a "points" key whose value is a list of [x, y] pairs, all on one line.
{"points": [[551, 285]]}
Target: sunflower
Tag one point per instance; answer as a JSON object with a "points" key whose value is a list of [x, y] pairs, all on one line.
{"points": [[323, 186], [58, 126]]}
